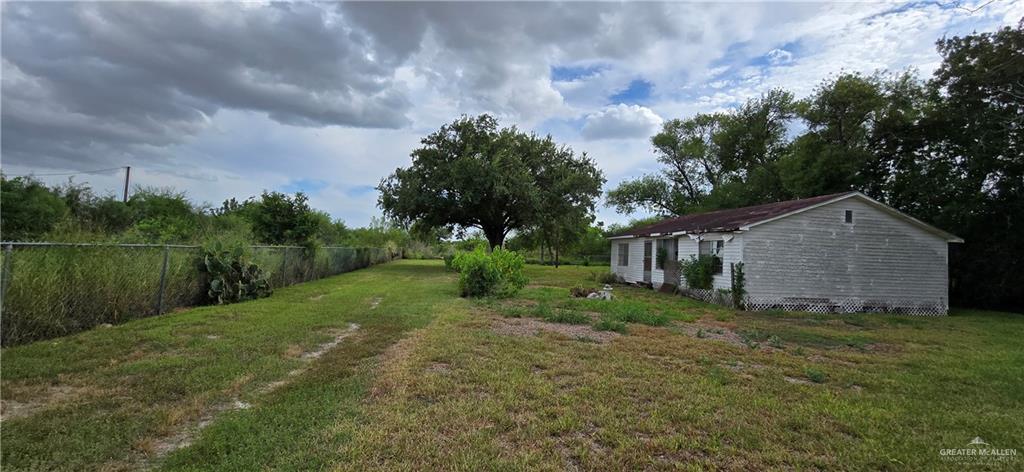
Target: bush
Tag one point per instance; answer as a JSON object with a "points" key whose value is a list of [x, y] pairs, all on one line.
{"points": [[231, 276], [815, 375], [498, 273], [629, 313], [739, 285], [609, 324], [698, 272]]}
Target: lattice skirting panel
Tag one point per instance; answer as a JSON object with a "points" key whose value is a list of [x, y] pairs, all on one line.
{"points": [[718, 297], [846, 305], [821, 305]]}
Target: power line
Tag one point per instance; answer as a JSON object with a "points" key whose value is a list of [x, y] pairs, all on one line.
{"points": [[97, 171]]}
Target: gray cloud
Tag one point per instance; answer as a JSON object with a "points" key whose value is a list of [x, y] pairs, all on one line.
{"points": [[497, 57], [119, 77], [621, 122]]}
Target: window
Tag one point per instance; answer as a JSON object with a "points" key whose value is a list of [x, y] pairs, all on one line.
{"points": [[668, 250], [713, 249], [624, 254], [849, 216]]}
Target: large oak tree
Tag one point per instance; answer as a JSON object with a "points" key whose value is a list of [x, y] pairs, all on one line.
{"points": [[473, 174]]}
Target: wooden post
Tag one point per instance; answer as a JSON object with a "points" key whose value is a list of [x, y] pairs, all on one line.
{"points": [[127, 176], [163, 282]]}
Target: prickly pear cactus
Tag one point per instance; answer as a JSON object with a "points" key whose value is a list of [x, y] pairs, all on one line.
{"points": [[232, 277]]}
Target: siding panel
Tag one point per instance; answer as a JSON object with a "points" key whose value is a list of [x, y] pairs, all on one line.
{"points": [[815, 254]]}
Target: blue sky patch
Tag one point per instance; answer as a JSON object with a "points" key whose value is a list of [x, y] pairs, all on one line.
{"points": [[570, 73], [360, 190], [307, 186], [638, 91]]}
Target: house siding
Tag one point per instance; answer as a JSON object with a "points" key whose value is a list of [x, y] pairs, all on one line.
{"points": [[633, 272], [878, 260], [732, 252]]}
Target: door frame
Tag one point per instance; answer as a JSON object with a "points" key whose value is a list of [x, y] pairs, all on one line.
{"points": [[648, 253]]}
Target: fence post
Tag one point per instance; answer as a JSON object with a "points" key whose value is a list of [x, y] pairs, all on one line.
{"points": [[163, 282], [5, 274], [284, 268]]}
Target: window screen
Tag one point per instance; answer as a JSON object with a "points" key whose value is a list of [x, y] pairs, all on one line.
{"points": [[849, 216], [623, 254], [714, 250]]}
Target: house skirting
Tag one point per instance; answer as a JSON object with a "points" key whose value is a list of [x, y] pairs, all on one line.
{"points": [[821, 305]]}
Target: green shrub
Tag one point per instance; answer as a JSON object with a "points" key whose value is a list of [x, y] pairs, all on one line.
{"points": [[815, 375], [698, 271], [739, 285], [634, 313], [449, 263], [498, 273], [567, 317], [610, 324], [231, 276]]}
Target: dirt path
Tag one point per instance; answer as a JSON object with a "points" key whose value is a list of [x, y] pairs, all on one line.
{"points": [[184, 436]]}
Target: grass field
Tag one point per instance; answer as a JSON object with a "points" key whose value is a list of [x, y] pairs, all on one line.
{"points": [[386, 368]]}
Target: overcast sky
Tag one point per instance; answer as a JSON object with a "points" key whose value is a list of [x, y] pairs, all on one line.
{"points": [[229, 99]]}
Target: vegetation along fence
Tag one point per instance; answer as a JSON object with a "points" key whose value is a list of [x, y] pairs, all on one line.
{"points": [[54, 289]]}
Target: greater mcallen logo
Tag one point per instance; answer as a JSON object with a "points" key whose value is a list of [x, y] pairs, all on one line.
{"points": [[978, 451]]}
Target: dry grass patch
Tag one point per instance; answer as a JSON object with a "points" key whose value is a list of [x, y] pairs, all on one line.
{"points": [[533, 327]]}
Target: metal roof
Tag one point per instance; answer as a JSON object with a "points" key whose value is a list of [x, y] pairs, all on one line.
{"points": [[743, 218]]}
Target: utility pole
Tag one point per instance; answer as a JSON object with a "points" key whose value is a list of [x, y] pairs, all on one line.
{"points": [[127, 175]]}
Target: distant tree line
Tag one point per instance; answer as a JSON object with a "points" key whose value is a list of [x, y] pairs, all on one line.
{"points": [[74, 213], [946, 150]]}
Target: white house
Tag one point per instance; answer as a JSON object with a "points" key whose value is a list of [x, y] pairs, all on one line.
{"points": [[833, 253]]}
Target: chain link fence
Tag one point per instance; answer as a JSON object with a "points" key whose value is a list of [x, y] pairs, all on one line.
{"points": [[534, 257], [55, 289]]}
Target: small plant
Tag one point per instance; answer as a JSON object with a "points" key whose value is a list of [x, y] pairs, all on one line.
{"points": [[662, 256], [631, 313], [231, 276], [738, 281], [701, 334], [815, 375], [775, 341], [610, 324], [724, 316], [698, 272]]}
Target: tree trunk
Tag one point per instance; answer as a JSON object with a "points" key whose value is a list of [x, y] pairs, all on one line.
{"points": [[495, 236]]}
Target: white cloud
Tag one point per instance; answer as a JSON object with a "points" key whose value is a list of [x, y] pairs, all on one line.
{"points": [[621, 122], [779, 56]]}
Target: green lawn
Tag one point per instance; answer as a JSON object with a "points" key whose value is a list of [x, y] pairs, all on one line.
{"points": [[431, 381]]}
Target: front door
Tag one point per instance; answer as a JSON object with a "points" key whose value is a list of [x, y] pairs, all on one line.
{"points": [[647, 261], [671, 264]]}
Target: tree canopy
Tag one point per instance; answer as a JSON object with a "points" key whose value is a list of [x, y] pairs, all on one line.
{"points": [[473, 174]]}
